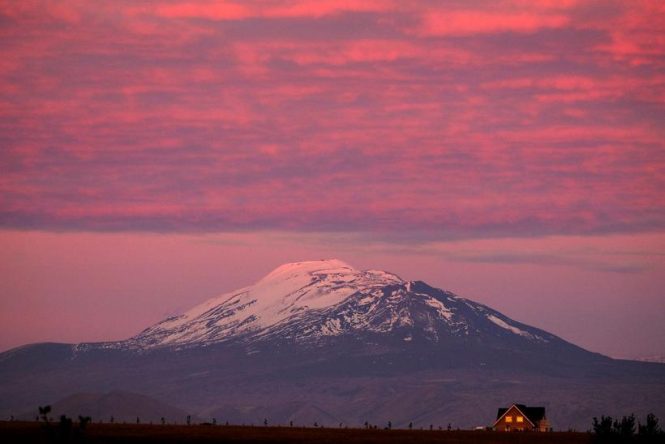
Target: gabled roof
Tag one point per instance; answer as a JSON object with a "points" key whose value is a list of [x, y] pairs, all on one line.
{"points": [[532, 414]]}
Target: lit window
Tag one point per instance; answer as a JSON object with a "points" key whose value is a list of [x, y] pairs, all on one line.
{"points": [[520, 419], [509, 419]]}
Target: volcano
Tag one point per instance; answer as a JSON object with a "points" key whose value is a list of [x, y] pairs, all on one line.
{"points": [[320, 341]]}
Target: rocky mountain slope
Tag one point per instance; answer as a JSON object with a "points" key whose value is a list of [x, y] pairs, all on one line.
{"points": [[308, 302]]}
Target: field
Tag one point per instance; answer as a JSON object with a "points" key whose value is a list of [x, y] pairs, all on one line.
{"points": [[32, 432]]}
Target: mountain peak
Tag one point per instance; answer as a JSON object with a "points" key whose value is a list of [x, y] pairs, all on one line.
{"points": [[287, 292], [289, 270], [310, 300]]}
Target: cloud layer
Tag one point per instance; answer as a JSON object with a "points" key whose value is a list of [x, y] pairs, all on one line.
{"points": [[450, 119]]}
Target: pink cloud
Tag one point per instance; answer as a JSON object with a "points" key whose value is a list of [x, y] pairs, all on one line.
{"points": [[637, 35], [441, 23], [326, 7], [219, 10], [313, 116], [234, 10]]}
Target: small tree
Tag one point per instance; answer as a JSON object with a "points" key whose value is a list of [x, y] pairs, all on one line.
{"points": [[603, 427], [84, 421], [410, 426], [651, 428], [44, 411], [64, 427], [625, 428]]}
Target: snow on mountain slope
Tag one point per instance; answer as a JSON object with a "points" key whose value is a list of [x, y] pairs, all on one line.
{"points": [[308, 301], [284, 293]]}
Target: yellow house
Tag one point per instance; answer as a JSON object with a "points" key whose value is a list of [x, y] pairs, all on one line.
{"points": [[520, 418]]}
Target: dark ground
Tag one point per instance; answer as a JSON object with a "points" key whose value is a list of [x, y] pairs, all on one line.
{"points": [[32, 432]]}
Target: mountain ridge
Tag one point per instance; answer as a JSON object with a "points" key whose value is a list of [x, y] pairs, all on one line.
{"points": [[311, 299]]}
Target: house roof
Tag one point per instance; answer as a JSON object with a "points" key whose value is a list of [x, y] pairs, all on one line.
{"points": [[532, 414]]}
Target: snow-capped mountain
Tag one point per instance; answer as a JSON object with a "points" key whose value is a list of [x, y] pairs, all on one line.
{"points": [[307, 302], [323, 342]]}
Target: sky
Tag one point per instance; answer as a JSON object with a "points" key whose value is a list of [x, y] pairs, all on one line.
{"points": [[155, 154]]}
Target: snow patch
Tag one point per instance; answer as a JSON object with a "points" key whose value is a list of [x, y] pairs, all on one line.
{"points": [[443, 311], [503, 324]]}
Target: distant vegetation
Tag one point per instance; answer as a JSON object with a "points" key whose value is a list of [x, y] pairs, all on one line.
{"points": [[614, 431], [65, 430]]}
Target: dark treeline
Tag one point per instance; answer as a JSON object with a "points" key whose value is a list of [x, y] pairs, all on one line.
{"points": [[608, 430]]}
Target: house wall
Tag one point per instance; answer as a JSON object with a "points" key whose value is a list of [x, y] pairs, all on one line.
{"points": [[509, 422], [543, 425]]}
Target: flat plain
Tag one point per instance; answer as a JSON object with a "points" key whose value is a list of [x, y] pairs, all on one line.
{"points": [[33, 432]]}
